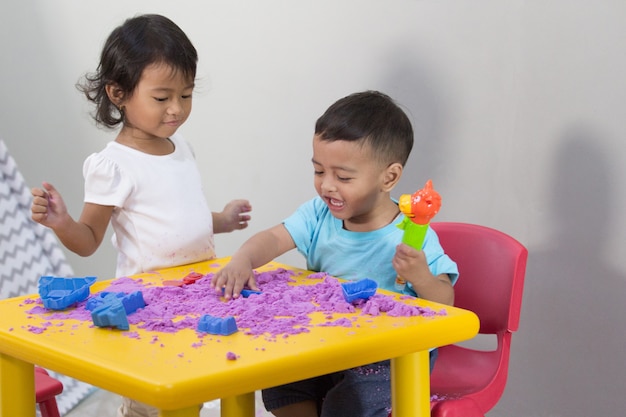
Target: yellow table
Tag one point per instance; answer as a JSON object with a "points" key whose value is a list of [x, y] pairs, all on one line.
{"points": [[174, 377]]}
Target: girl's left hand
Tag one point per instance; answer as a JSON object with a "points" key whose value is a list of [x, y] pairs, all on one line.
{"points": [[235, 216]]}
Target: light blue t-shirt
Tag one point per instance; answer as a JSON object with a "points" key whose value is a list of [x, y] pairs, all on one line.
{"points": [[328, 247]]}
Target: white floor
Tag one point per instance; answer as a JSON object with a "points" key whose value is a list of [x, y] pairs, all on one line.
{"points": [[104, 404]]}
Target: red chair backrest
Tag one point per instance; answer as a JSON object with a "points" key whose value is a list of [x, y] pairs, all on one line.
{"points": [[492, 265]]}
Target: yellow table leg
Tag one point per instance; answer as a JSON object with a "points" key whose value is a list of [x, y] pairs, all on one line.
{"points": [[17, 387], [183, 412], [410, 385], [239, 406]]}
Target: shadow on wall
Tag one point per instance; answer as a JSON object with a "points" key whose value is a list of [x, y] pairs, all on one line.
{"points": [[568, 356], [417, 91], [43, 123]]}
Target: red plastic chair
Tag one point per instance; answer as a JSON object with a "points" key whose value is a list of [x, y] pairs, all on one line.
{"points": [[492, 265], [46, 390]]}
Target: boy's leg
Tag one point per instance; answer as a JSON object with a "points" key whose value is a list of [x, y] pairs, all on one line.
{"points": [[301, 409], [297, 399], [364, 391]]}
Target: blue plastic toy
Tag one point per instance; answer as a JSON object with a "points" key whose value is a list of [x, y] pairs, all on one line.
{"points": [[111, 314], [131, 302], [359, 290], [246, 293], [216, 325], [59, 293], [111, 309]]}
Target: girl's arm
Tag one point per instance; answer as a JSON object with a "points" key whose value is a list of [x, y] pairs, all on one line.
{"points": [[234, 217], [260, 249], [82, 237]]}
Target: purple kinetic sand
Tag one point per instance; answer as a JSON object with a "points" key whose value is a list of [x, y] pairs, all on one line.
{"points": [[280, 310]]}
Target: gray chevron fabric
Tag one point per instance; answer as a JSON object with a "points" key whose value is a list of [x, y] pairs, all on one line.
{"points": [[28, 251]]}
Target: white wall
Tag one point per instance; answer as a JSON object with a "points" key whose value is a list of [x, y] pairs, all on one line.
{"points": [[518, 108]]}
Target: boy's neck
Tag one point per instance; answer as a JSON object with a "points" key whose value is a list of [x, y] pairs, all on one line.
{"points": [[382, 217]]}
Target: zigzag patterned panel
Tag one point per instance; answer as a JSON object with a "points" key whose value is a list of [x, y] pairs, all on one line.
{"points": [[28, 251]]}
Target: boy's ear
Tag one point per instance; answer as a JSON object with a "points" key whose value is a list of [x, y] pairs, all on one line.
{"points": [[391, 176], [115, 94]]}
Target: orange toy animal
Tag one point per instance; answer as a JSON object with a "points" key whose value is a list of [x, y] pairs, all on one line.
{"points": [[418, 208]]}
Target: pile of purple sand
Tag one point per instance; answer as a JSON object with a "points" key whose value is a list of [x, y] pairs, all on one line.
{"points": [[279, 311]]}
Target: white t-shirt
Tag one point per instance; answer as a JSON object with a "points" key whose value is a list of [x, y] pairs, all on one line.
{"points": [[161, 217]]}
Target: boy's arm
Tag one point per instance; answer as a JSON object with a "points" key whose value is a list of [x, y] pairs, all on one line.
{"points": [[438, 289], [260, 249], [411, 265], [82, 237], [234, 217]]}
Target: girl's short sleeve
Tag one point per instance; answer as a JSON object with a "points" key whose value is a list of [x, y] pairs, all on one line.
{"points": [[104, 183]]}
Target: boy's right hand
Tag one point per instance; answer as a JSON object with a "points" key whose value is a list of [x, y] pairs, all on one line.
{"points": [[233, 278], [48, 208]]}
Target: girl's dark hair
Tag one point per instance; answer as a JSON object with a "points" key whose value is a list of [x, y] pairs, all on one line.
{"points": [[373, 118], [139, 42]]}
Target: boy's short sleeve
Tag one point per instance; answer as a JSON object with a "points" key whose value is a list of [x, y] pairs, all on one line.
{"points": [[302, 223], [438, 262], [104, 183]]}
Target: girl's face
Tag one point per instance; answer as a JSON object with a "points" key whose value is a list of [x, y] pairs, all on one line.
{"points": [[160, 104], [353, 184]]}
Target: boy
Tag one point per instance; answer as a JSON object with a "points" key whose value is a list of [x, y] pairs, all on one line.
{"points": [[360, 147]]}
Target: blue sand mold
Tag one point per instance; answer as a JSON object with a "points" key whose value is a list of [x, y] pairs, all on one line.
{"points": [[59, 293], [362, 289], [217, 325], [131, 302], [111, 314]]}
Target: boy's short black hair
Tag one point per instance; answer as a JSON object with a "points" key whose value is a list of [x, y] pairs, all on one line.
{"points": [[373, 118], [136, 44]]}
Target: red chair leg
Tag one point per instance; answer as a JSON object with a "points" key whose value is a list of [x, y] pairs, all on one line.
{"points": [[461, 407], [49, 408], [46, 390]]}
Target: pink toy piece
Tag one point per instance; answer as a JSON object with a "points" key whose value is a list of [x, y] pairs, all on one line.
{"points": [[191, 278], [173, 283]]}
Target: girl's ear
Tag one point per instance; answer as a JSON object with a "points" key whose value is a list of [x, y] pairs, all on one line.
{"points": [[391, 176], [115, 94]]}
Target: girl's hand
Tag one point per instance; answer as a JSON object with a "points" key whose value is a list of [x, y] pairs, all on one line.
{"points": [[48, 207], [233, 278], [234, 217]]}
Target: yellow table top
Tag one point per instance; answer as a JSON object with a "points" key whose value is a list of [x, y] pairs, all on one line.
{"points": [[171, 374]]}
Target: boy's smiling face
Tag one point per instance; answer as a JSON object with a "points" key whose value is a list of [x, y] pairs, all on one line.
{"points": [[354, 184]]}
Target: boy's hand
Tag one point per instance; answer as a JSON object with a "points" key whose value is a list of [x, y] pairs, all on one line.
{"points": [[233, 278], [48, 208], [235, 216], [411, 265]]}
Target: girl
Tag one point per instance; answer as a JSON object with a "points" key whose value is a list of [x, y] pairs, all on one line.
{"points": [[146, 182]]}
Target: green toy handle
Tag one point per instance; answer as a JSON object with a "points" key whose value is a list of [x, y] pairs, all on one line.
{"points": [[414, 235]]}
